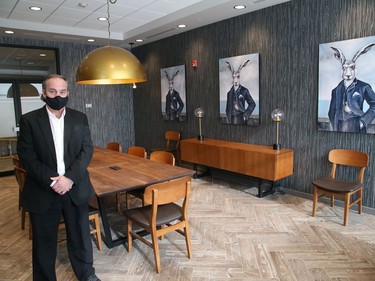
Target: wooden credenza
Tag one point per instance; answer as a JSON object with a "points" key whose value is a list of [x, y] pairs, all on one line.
{"points": [[261, 162]]}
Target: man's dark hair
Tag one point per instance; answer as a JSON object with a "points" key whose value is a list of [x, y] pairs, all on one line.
{"points": [[50, 76]]}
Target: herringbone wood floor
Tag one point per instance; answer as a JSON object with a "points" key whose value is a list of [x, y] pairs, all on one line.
{"points": [[235, 236]]}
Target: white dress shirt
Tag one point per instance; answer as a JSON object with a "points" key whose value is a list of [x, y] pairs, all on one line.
{"points": [[57, 127]]}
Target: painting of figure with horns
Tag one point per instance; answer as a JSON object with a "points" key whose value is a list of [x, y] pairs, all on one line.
{"points": [[239, 90], [346, 86], [173, 93]]}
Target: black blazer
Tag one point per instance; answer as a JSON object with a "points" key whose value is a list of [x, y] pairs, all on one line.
{"points": [[36, 151]]}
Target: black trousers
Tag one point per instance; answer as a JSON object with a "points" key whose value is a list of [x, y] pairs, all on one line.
{"points": [[45, 229]]}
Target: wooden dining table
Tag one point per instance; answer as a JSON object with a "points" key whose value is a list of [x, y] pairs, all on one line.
{"points": [[112, 172]]}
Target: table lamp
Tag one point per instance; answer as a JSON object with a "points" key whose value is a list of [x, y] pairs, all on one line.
{"points": [[199, 112], [277, 116]]}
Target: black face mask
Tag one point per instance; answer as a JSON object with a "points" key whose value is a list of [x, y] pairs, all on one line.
{"points": [[56, 103]]}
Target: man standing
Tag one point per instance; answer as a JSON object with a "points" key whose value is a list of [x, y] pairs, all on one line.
{"points": [[55, 148]]}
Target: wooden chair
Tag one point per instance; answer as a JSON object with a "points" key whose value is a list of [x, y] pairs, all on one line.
{"points": [[332, 186], [172, 144], [139, 152], [163, 157], [20, 174], [115, 146], [161, 215], [17, 163], [157, 156], [95, 226]]}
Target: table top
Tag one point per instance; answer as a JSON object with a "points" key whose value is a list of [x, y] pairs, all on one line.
{"points": [[128, 172]]}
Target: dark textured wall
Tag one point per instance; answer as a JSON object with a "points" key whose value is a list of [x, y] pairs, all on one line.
{"points": [[287, 36], [111, 116]]}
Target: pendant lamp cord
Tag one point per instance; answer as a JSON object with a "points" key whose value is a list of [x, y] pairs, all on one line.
{"points": [[108, 19]]}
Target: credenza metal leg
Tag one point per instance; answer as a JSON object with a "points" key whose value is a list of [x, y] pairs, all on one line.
{"points": [[264, 190], [197, 175]]}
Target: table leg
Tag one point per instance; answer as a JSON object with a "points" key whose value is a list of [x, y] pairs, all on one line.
{"points": [[106, 227]]}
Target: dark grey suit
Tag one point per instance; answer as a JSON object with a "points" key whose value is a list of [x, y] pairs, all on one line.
{"points": [[36, 151]]}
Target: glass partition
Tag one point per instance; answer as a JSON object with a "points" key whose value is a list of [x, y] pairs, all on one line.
{"points": [[21, 73]]}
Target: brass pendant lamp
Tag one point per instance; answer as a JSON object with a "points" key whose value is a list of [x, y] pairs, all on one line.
{"points": [[110, 65]]}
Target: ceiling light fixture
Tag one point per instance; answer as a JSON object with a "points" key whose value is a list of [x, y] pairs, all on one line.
{"points": [[35, 8], [9, 31], [181, 25], [110, 64], [239, 7]]}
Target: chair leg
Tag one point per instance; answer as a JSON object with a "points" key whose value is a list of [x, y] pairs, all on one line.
{"points": [[130, 238], [155, 246], [96, 229], [127, 200], [332, 200], [315, 201], [346, 208], [19, 199], [23, 218], [161, 237], [178, 158], [187, 239], [30, 230], [118, 202], [98, 233], [360, 201]]}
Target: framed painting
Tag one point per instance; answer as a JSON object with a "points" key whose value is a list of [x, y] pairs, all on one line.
{"points": [[346, 99], [173, 93], [239, 90]]}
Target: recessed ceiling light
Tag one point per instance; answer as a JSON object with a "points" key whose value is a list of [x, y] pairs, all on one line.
{"points": [[35, 8], [102, 18], [9, 31], [181, 25], [239, 7], [42, 55], [91, 40], [139, 40]]}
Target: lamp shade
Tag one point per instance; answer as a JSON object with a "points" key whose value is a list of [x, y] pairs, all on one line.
{"points": [[277, 115], [199, 112], [26, 90], [110, 65]]}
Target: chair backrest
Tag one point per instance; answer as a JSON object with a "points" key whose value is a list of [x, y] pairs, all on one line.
{"points": [[137, 151], [163, 157], [16, 161], [114, 146], [172, 137], [169, 192], [19, 172], [351, 158]]}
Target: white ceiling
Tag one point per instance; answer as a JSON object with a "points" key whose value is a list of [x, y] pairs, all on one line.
{"points": [[150, 20]]}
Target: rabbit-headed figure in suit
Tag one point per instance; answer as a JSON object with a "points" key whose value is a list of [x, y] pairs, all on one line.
{"points": [[346, 108], [238, 96]]}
